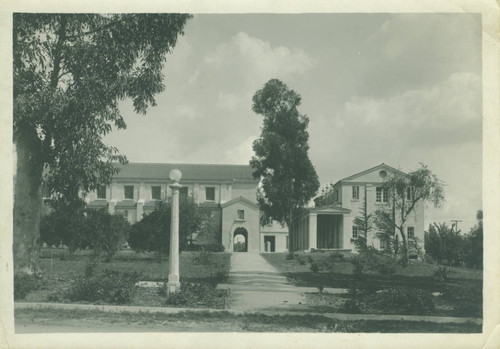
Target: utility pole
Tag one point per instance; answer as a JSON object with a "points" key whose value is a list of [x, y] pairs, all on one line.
{"points": [[454, 222]]}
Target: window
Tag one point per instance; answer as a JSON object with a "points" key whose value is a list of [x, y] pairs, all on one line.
{"points": [[336, 196], [287, 242], [241, 214], [382, 195], [129, 192], [354, 231], [411, 232], [210, 193], [101, 192], [156, 192], [410, 193], [183, 193], [355, 192]]}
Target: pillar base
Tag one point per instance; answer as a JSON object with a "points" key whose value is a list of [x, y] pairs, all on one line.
{"points": [[173, 284]]}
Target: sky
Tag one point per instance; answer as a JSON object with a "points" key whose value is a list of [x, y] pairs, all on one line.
{"points": [[400, 89]]}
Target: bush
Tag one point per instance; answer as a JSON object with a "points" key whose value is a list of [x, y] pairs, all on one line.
{"points": [[105, 232], [152, 232], [290, 256], [351, 306], [407, 301], [109, 286], [65, 225], [372, 259], [24, 284], [314, 267], [441, 274]]}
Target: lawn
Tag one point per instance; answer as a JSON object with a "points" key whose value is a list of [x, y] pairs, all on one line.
{"points": [[52, 320], [196, 269], [413, 290]]}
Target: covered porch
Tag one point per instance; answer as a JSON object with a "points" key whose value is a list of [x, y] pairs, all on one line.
{"points": [[326, 227]]}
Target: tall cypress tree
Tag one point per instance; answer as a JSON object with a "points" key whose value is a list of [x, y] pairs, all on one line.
{"points": [[281, 160]]}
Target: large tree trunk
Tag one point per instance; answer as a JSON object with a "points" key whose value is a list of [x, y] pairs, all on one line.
{"points": [[27, 208]]}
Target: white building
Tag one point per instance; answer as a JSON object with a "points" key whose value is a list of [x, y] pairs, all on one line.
{"points": [[330, 225]]}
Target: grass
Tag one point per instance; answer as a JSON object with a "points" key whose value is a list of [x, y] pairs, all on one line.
{"points": [[52, 320], [199, 267], [417, 276]]}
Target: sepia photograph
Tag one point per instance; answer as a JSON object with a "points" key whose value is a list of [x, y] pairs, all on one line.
{"points": [[304, 175]]}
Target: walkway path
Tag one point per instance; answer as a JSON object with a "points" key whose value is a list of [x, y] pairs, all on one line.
{"points": [[256, 284]]}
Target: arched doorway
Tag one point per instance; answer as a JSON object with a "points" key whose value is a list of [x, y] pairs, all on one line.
{"points": [[240, 240]]}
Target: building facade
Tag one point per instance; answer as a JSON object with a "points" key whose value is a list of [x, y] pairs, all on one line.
{"points": [[330, 224], [228, 192]]}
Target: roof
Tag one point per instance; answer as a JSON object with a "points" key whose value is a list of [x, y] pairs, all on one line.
{"points": [[210, 172], [382, 165], [238, 199]]}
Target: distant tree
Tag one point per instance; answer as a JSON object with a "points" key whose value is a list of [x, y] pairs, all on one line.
{"points": [[406, 192], [281, 160], [65, 226], [364, 222], [473, 249], [152, 233], [105, 233], [69, 73], [444, 244]]}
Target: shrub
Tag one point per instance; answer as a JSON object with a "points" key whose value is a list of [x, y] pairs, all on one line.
{"points": [[108, 286], [314, 267], [351, 306], [64, 225], [24, 284], [407, 301], [290, 256], [105, 232], [152, 232], [372, 259], [441, 274]]}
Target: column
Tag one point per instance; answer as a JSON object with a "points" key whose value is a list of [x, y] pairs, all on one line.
{"points": [[313, 231], [173, 284]]}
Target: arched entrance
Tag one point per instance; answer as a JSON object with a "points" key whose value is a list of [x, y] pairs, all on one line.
{"points": [[240, 240]]}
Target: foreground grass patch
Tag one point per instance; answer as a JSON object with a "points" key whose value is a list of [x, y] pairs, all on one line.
{"points": [[62, 278], [49, 320]]}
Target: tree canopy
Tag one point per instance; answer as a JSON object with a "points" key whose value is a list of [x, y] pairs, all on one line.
{"points": [[70, 72], [281, 160], [407, 191]]}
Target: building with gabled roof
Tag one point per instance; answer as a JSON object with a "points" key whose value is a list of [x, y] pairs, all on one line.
{"points": [[330, 224], [227, 192]]}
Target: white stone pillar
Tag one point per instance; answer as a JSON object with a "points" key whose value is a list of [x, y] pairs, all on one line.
{"points": [[313, 231], [173, 284]]}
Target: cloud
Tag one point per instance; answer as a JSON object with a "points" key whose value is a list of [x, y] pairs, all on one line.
{"points": [[255, 59], [448, 112], [242, 153], [416, 50]]}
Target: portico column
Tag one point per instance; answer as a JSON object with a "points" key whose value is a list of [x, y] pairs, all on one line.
{"points": [[173, 284], [313, 231]]}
